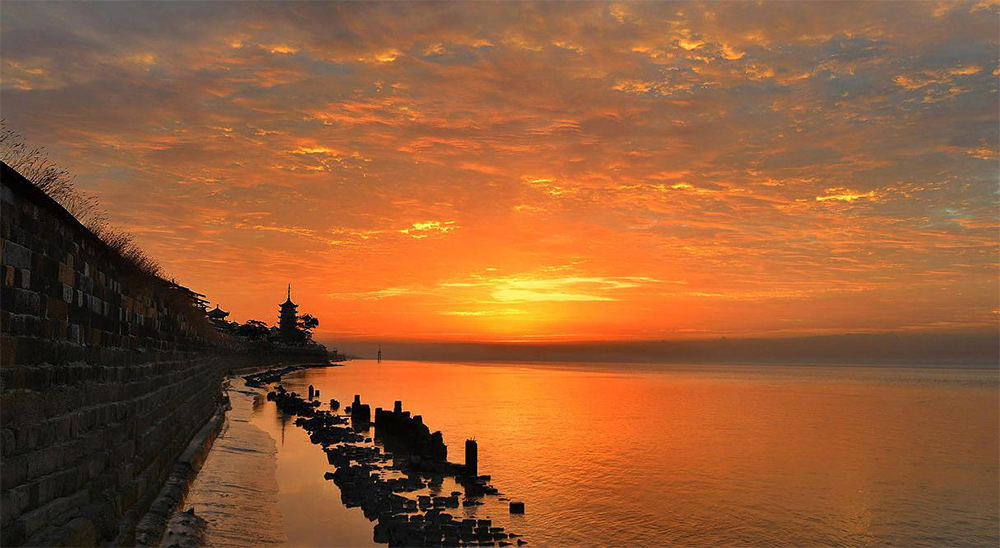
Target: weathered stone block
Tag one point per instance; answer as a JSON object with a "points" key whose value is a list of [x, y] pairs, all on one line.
{"points": [[46, 435], [45, 461], [60, 330], [35, 520], [8, 443], [13, 502], [12, 534], [66, 274], [67, 293], [38, 378], [26, 438], [43, 491], [62, 428], [73, 451], [50, 266], [96, 465], [76, 425], [8, 350], [37, 259], [46, 330], [29, 351], [79, 532], [16, 255], [56, 308], [23, 325], [15, 471], [26, 302]]}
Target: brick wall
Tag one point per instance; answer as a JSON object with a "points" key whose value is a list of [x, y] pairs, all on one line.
{"points": [[105, 375]]}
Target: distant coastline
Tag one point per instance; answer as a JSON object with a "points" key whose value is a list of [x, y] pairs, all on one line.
{"points": [[939, 350]]}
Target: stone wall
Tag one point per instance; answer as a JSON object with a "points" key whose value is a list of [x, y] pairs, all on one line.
{"points": [[105, 375]]}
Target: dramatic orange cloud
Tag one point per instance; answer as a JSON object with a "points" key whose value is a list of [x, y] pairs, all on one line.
{"points": [[516, 171]]}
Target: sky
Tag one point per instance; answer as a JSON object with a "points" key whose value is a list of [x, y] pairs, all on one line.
{"points": [[537, 171]]}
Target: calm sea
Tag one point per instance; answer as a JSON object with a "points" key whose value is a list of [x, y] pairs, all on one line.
{"points": [[695, 455]]}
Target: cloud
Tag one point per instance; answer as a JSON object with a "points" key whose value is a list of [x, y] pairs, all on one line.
{"points": [[377, 294], [526, 295], [540, 288], [845, 195], [424, 229], [764, 150], [476, 313]]}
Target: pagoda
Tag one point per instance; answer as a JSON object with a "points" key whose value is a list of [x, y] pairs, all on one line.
{"points": [[288, 319], [217, 314], [218, 317]]}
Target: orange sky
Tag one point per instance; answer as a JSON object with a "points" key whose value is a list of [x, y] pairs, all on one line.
{"points": [[533, 171]]}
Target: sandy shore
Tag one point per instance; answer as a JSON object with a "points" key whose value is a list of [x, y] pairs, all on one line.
{"points": [[235, 495]]}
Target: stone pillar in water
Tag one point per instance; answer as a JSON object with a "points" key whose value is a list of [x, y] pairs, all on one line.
{"points": [[361, 414], [471, 458], [312, 392]]}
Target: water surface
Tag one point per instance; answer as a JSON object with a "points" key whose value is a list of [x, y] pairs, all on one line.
{"points": [[697, 455]]}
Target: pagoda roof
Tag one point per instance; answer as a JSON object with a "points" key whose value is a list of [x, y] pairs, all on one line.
{"points": [[218, 312], [288, 301]]}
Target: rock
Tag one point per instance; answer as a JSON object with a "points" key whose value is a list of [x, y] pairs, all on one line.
{"points": [[360, 469]]}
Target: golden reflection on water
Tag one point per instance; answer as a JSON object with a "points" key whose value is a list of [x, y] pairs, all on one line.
{"points": [[697, 455], [310, 506]]}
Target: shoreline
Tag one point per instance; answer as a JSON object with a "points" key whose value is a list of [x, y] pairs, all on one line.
{"points": [[153, 526], [166, 523], [240, 447]]}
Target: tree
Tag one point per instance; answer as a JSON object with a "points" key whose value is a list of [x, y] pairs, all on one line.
{"points": [[306, 324], [255, 330]]}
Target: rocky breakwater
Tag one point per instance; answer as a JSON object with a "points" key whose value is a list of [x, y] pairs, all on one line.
{"points": [[386, 475], [264, 378]]}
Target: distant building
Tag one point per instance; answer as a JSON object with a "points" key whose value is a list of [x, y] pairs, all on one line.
{"points": [[288, 317], [218, 313], [218, 317]]}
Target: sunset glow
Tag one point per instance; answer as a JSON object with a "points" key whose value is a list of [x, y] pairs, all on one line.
{"points": [[537, 171]]}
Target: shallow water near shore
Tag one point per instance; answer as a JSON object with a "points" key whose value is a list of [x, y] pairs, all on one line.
{"points": [[695, 455]]}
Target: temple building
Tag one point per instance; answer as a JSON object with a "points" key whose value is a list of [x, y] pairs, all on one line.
{"points": [[288, 319], [218, 317]]}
